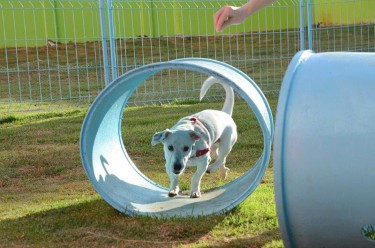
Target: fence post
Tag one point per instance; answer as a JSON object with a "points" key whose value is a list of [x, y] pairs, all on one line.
{"points": [[309, 24], [104, 42], [112, 40], [302, 24]]}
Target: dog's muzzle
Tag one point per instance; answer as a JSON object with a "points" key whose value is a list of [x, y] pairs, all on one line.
{"points": [[177, 168]]}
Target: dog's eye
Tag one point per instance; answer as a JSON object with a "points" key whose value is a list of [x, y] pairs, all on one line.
{"points": [[170, 148], [185, 149]]}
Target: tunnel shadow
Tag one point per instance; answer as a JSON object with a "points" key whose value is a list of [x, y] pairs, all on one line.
{"points": [[95, 222]]}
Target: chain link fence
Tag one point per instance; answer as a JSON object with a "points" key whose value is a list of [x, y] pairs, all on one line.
{"points": [[60, 54]]}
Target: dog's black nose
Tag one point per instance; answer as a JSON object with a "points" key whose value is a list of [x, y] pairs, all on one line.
{"points": [[177, 168]]}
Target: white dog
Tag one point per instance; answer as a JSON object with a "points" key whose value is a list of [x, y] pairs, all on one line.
{"points": [[190, 141]]}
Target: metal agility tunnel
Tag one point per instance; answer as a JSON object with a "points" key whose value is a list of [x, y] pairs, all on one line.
{"points": [[324, 150], [116, 177]]}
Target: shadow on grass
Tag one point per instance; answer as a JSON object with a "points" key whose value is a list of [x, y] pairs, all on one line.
{"points": [[95, 223]]}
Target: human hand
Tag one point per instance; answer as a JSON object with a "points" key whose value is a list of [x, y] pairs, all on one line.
{"points": [[228, 15]]}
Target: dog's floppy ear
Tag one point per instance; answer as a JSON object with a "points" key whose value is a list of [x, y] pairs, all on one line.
{"points": [[194, 136], [159, 137]]}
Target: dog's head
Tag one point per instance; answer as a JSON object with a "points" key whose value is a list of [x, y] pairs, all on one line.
{"points": [[178, 146]]}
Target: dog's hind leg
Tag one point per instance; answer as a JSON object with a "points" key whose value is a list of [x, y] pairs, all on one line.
{"points": [[223, 151], [219, 163], [226, 143], [223, 172], [214, 150]]}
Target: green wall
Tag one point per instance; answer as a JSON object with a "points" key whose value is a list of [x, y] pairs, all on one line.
{"points": [[31, 23], [334, 12], [174, 17], [22, 23]]}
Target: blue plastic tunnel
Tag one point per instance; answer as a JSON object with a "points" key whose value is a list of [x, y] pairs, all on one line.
{"points": [[324, 150], [116, 177]]}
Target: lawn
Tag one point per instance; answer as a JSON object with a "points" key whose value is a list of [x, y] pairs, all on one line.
{"points": [[47, 198]]}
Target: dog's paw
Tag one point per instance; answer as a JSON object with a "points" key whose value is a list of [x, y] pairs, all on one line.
{"points": [[196, 194], [172, 193]]}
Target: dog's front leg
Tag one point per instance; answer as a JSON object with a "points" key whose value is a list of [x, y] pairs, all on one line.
{"points": [[195, 187], [173, 189]]}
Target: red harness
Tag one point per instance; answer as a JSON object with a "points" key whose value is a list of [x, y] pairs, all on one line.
{"points": [[200, 152]]}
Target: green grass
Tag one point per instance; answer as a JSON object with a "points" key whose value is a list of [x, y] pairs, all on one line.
{"points": [[47, 199]]}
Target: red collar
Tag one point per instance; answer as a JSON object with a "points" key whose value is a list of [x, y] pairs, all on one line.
{"points": [[201, 152], [195, 120]]}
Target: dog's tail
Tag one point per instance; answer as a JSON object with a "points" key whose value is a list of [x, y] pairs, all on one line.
{"points": [[229, 94]]}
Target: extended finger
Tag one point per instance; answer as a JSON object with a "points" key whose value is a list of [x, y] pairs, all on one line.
{"points": [[222, 17], [218, 18], [217, 15]]}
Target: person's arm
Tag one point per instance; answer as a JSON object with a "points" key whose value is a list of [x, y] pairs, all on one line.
{"points": [[229, 15]]}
